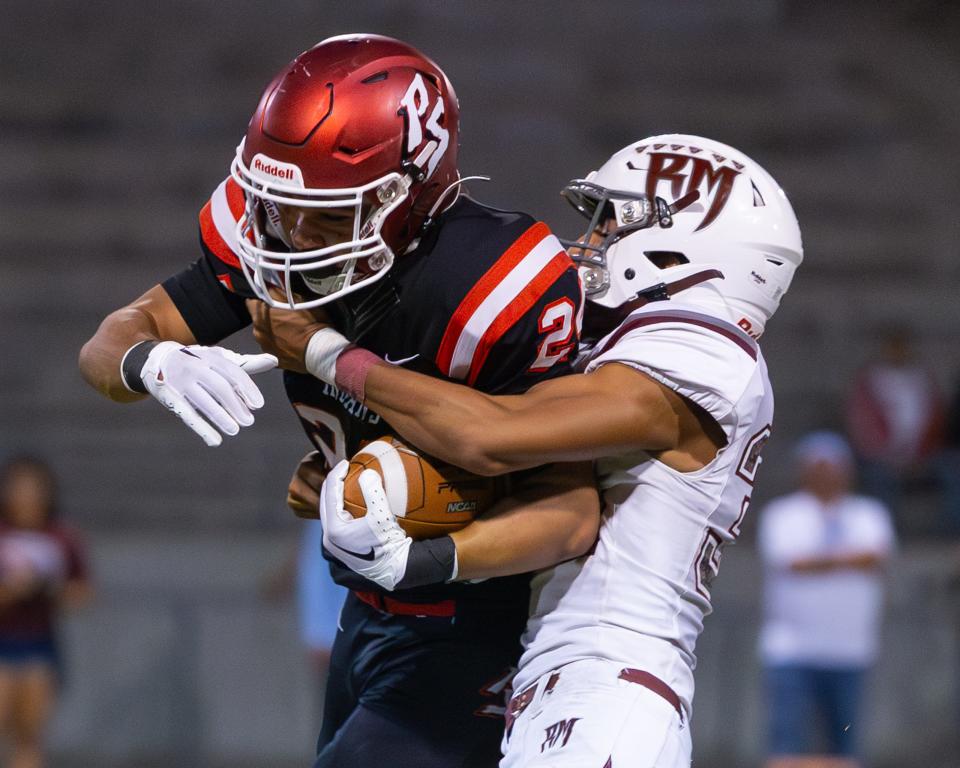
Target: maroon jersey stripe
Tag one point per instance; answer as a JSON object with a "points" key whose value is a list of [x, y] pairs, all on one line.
{"points": [[731, 332]]}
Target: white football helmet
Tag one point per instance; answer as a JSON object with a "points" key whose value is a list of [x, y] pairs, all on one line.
{"points": [[687, 208]]}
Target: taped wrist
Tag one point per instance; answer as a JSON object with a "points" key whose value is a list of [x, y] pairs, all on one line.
{"points": [[431, 561], [132, 364], [323, 349], [352, 368]]}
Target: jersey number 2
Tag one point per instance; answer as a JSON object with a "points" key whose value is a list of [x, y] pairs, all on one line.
{"points": [[325, 432], [557, 321]]}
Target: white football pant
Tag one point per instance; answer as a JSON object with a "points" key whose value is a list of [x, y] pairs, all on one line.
{"points": [[591, 718]]}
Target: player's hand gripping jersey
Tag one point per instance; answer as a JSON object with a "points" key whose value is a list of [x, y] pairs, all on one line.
{"points": [[488, 298], [644, 592]]}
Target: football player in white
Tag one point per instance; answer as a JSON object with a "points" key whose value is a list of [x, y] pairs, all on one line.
{"points": [[674, 405]]}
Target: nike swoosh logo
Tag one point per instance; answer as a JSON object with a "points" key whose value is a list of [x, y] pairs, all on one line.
{"points": [[361, 556], [400, 362]]}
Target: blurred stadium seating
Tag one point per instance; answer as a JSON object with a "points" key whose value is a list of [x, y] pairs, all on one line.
{"points": [[117, 121]]}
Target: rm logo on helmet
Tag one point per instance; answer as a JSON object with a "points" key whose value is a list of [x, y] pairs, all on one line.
{"points": [[688, 172]]}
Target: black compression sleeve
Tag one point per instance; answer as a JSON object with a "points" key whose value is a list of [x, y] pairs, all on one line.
{"points": [[133, 362], [430, 562], [211, 311]]}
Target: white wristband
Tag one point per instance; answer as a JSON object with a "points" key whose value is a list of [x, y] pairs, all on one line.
{"points": [[323, 349]]}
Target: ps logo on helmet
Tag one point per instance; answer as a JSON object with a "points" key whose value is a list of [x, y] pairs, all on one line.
{"points": [[672, 167], [413, 107]]}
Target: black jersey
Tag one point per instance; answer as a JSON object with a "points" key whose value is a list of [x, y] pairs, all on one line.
{"points": [[488, 298]]}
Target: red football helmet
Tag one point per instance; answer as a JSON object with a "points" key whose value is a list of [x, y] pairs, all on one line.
{"points": [[360, 133]]}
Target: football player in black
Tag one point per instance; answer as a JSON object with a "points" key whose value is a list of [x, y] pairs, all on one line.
{"points": [[344, 201]]}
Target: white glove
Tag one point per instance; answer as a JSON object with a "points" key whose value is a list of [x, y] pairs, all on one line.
{"points": [[206, 384], [375, 546]]}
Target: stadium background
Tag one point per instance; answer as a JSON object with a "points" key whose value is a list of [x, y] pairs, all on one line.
{"points": [[119, 118]]}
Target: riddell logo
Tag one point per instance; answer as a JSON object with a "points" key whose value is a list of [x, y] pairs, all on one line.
{"points": [[273, 170], [264, 166], [687, 172]]}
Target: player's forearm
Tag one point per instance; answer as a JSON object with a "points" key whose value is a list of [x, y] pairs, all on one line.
{"points": [[152, 317], [442, 419], [553, 519], [100, 357], [485, 434], [573, 418]]}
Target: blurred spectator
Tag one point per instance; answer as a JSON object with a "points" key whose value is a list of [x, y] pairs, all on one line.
{"points": [[948, 463], [42, 569], [894, 418], [823, 550]]}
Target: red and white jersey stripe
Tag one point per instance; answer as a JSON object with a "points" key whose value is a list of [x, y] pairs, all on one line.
{"points": [[516, 281], [218, 221]]}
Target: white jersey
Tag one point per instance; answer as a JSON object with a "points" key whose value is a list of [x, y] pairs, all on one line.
{"points": [[639, 599]]}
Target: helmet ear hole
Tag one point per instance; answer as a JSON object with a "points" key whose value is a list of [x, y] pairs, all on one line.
{"points": [[664, 259]]}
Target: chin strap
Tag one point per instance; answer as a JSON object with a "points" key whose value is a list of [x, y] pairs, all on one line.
{"points": [[443, 195], [665, 212], [428, 221], [599, 321], [663, 291]]}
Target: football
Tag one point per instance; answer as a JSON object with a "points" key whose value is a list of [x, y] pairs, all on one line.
{"points": [[430, 498]]}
